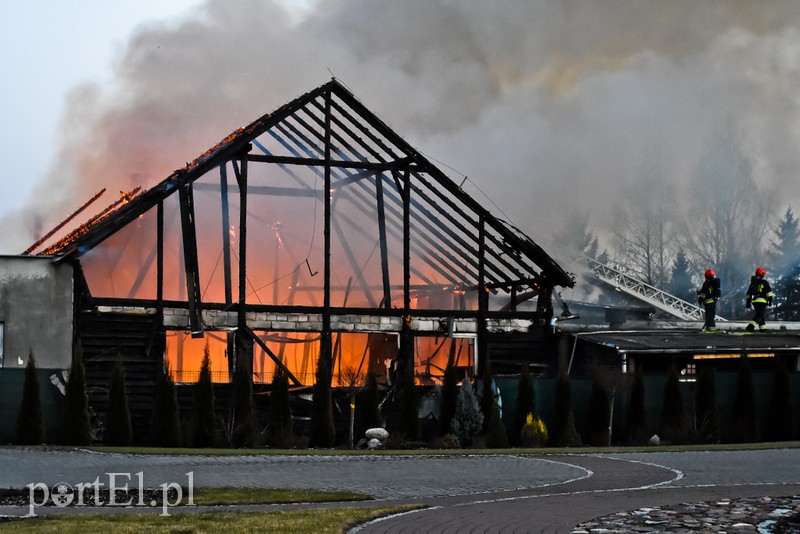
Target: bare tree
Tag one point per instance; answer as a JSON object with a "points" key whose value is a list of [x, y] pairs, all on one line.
{"points": [[728, 218], [643, 229]]}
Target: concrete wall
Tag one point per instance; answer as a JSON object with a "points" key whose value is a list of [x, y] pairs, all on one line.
{"points": [[36, 298]]}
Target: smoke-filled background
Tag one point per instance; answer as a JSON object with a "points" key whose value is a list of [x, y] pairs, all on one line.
{"points": [[560, 111]]}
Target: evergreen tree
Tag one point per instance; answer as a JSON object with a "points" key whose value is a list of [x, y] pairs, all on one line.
{"points": [[681, 284], [672, 418], [468, 419], [745, 423], [407, 394], [204, 423], [562, 431], [785, 249], [449, 396], [599, 414], [781, 418], [492, 428], [76, 428], [706, 412], [368, 411], [525, 404], [785, 259], [30, 422], [165, 426], [118, 430], [787, 294], [636, 419], [281, 426], [323, 433], [242, 416]]}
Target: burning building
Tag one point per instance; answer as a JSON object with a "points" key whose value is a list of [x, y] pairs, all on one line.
{"points": [[314, 230]]}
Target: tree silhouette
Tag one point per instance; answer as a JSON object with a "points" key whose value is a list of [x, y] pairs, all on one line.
{"points": [[76, 428], [118, 429], [30, 423], [204, 423]]}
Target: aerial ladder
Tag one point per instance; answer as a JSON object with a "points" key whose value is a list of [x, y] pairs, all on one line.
{"points": [[653, 296]]}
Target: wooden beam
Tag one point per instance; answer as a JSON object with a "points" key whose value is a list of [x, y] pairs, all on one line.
{"points": [[241, 178], [271, 354], [266, 190], [160, 258], [326, 346], [387, 293], [406, 242], [316, 162], [226, 232], [190, 262]]}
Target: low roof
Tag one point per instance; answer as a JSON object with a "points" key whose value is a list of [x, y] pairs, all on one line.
{"points": [[685, 341]]}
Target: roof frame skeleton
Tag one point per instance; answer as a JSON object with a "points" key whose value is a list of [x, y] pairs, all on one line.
{"points": [[380, 173]]}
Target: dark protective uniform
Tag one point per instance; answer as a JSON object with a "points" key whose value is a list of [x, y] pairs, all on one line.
{"points": [[707, 297], [759, 295]]}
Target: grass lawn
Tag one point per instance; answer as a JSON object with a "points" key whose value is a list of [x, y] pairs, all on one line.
{"points": [[328, 521], [395, 452]]}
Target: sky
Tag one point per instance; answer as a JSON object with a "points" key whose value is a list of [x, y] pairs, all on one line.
{"points": [[553, 108]]}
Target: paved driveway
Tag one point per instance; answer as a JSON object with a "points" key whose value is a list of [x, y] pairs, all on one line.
{"points": [[494, 493]]}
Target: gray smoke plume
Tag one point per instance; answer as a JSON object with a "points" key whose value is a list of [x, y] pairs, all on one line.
{"points": [[550, 107]]}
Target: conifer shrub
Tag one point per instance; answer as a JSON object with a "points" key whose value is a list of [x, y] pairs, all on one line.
{"points": [[165, 426], [409, 427], [242, 410], [672, 415], [448, 398], [30, 421], [525, 403], [636, 418], [706, 425], [781, 423], [368, 411], [281, 426], [744, 428], [76, 428], [599, 414], [562, 429], [533, 432], [493, 431], [468, 420], [323, 432], [204, 417], [118, 428]]}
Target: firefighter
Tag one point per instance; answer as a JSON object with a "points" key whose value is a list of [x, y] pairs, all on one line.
{"points": [[707, 297], [759, 295]]}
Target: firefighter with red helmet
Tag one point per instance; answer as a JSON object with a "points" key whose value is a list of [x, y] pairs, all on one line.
{"points": [[759, 295], [707, 297]]}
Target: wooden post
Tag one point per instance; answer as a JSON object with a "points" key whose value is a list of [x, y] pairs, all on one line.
{"points": [[326, 346], [387, 292], [226, 232], [190, 262], [483, 296]]}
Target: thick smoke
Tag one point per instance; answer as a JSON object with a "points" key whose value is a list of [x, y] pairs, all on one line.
{"points": [[550, 107]]}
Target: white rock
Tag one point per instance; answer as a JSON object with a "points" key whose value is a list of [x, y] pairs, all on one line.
{"points": [[654, 440], [377, 433], [373, 444]]}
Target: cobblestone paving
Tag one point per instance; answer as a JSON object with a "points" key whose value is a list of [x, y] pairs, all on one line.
{"points": [[383, 477], [763, 515]]}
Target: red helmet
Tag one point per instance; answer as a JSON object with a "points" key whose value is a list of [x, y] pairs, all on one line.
{"points": [[710, 273], [761, 271]]}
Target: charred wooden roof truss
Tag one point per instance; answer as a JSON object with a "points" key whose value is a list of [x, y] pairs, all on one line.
{"points": [[363, 166]]}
